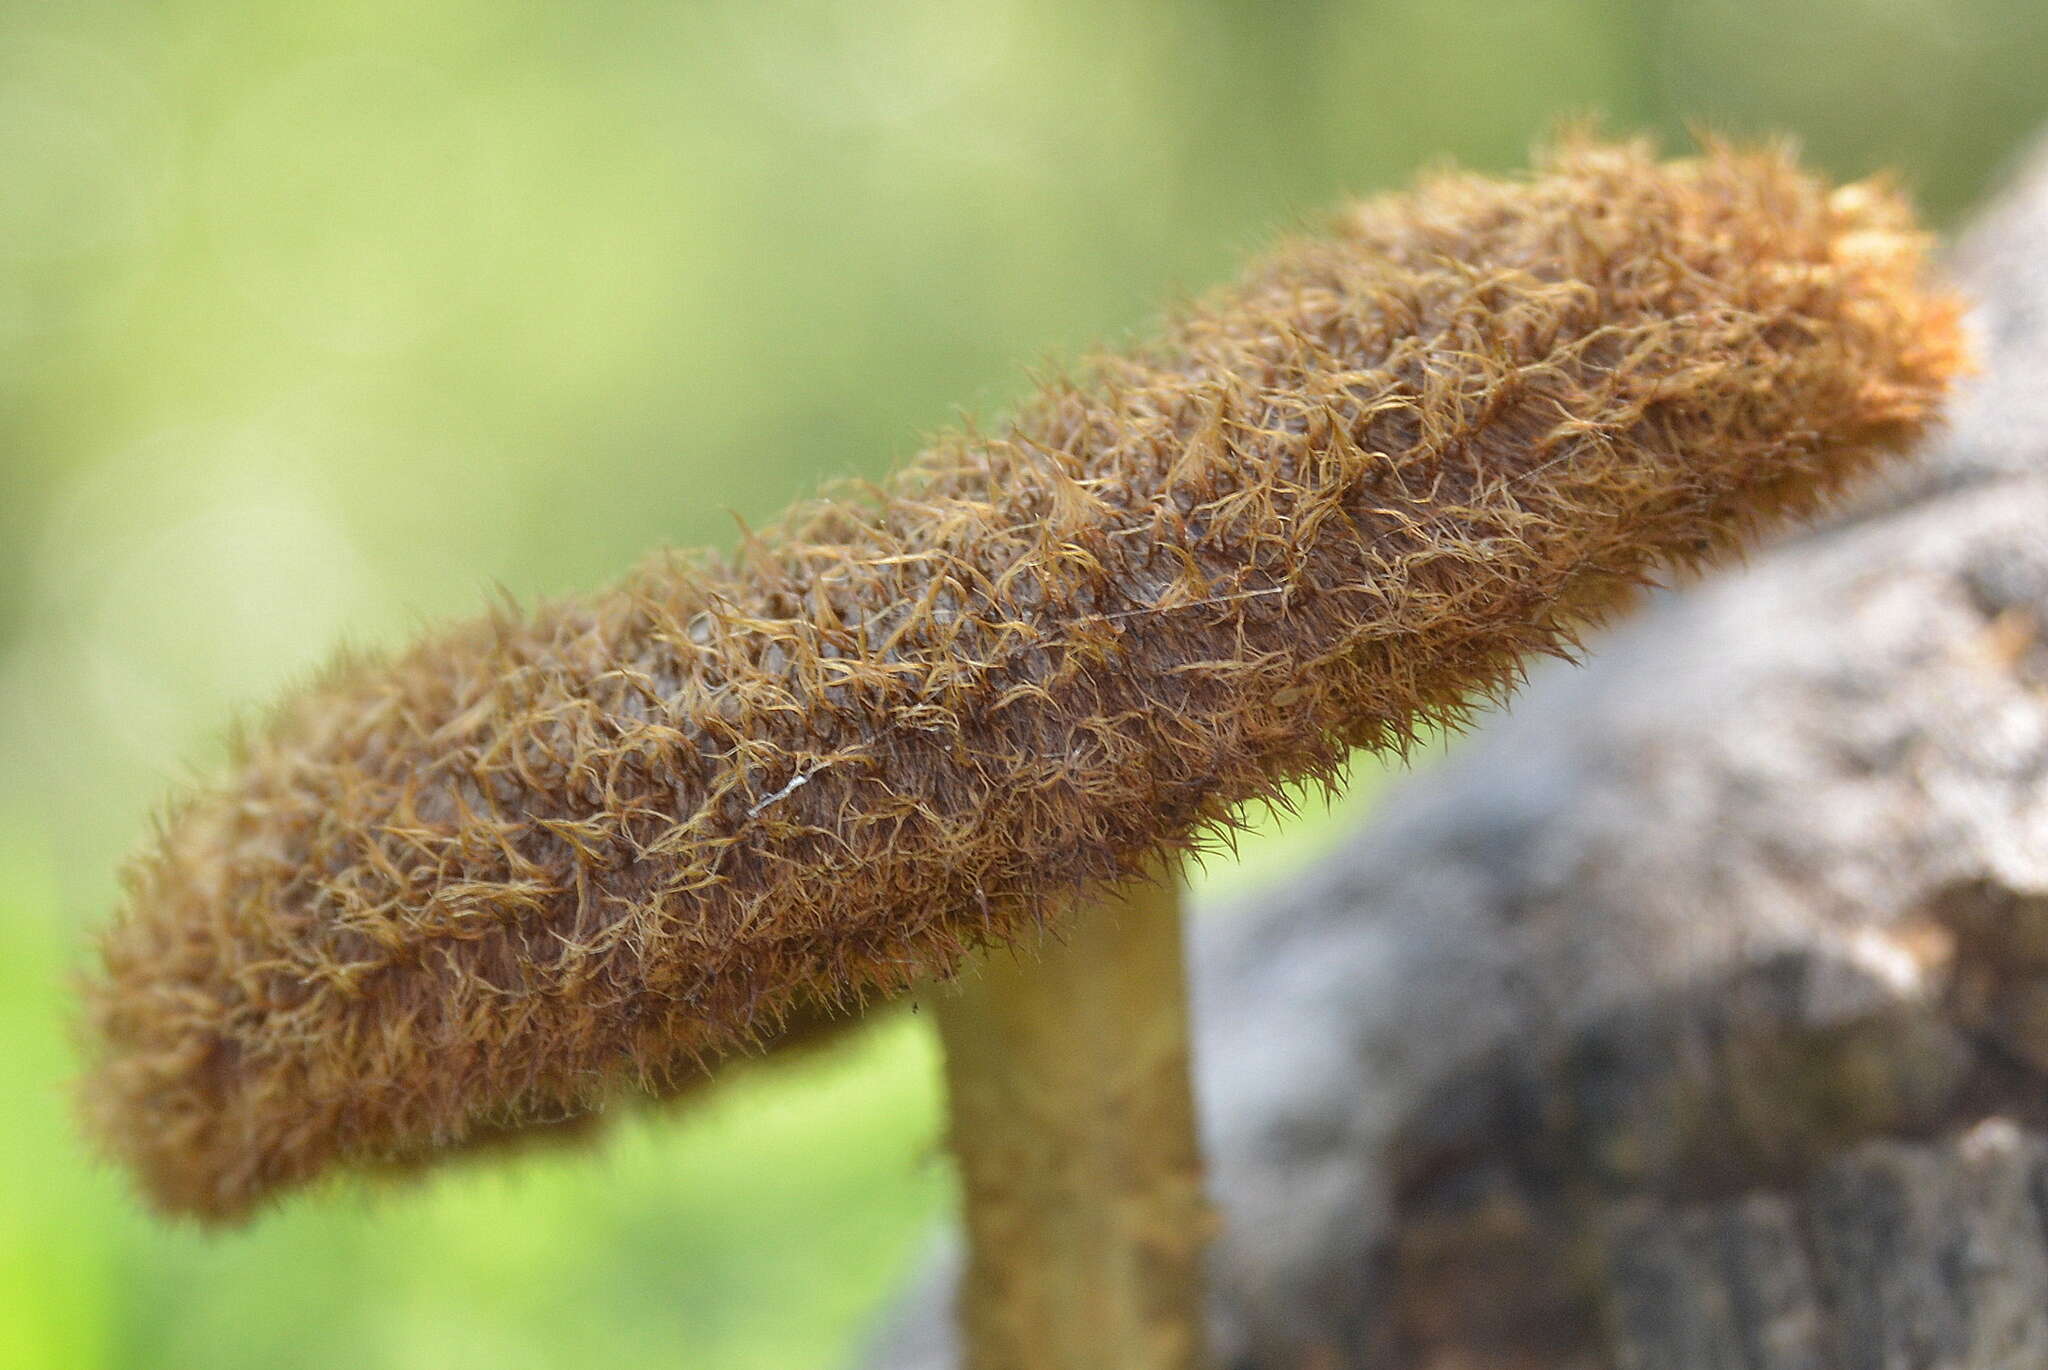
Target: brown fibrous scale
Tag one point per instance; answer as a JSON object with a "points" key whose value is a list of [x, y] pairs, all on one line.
{"points": [[536, 860]]}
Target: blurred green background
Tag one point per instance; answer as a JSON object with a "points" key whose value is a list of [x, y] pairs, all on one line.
{"points": [[318, 321]]}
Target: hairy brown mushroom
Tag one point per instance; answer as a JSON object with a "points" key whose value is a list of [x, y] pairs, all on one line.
{"points": [[534, 860]]}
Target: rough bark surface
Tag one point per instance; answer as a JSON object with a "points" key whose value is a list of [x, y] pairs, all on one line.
{"points": [[1694, 1015]]}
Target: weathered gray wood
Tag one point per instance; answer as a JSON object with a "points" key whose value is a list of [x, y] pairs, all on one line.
{"points": [[1894, 1256], [1722, 1287], [1933, 1256], [1694, 1015]]}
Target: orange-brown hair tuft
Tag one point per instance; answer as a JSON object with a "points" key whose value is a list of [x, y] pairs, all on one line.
{"points": [[529, 861]]}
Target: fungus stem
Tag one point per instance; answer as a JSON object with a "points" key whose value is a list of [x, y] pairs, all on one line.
{"points": [[1073, 1126]]}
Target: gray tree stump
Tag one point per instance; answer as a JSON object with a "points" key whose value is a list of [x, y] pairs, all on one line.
{"points": [[1694, 1015]]}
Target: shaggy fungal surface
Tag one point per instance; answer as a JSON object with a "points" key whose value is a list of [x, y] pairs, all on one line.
{"points": [[533, 860]]}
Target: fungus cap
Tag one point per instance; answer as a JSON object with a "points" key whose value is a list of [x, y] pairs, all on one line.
{"points": [[490, 880]]}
